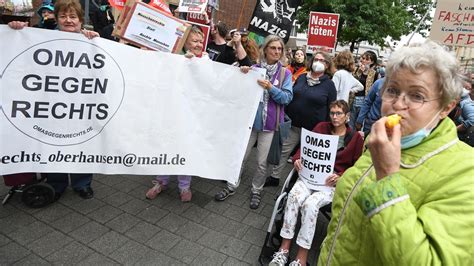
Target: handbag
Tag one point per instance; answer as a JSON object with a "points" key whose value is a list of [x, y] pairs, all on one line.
{"points": [[282, 131], [274, 153]]}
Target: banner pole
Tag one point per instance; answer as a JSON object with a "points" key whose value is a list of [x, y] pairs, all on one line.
{"points": [[421, 22], [241, 13]]}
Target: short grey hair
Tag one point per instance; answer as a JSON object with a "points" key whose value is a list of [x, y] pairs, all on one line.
{"points": [[269, 39], [429, 55]]}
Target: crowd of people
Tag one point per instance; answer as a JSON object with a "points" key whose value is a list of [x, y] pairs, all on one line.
{"points": [[395, 200]]}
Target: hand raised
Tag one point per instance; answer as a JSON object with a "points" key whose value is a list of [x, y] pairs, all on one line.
{"points": [[385, 148]]}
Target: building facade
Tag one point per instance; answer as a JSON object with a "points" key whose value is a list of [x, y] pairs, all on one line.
{"points": [[235, 14]]}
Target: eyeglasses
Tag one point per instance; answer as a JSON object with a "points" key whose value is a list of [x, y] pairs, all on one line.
{"points": [[413, 100], [320, 60], [337, 114], [274, 48]]}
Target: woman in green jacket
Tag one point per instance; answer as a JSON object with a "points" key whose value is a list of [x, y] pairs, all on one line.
{"points": [[409, 199]]}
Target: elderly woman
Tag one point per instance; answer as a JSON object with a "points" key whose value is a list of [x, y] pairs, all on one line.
{"points": [[343, 80], [193, 47], [277, 92], [312, 94], [409, 199], [307, 201], [194, 44], [69, 17]]}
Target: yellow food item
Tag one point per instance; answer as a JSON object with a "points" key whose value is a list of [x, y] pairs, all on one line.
{"points": [[392, 121]]}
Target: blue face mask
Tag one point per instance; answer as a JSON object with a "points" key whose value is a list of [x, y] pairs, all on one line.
{"points": [[417, 137]]}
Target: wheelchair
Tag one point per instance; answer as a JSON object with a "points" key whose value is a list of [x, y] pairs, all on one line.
{"points": [[273, 238], [35, 193]]}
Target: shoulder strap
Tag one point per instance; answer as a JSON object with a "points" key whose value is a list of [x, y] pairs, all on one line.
{"points": [[282, 76], [280, 84], [278, 118]]}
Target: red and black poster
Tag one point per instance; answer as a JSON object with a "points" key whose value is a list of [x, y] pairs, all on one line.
{"points": [[274, 17]]}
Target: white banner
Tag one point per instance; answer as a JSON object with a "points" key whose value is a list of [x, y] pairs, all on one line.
{"points": [[318, 155], [75, 105]]}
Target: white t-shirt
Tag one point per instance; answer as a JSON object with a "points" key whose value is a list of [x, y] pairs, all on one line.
{"points": [[345, 83]]}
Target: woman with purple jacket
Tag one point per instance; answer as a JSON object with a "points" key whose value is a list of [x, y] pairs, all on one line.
{"points": [[277, 91]]}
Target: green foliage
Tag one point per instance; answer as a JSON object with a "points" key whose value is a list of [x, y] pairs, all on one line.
{"points": [[370, 20]]}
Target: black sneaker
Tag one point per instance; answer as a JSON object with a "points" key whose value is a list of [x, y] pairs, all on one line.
{"points": [[255, 199], [271, 182], [224, 194], [86, 193]]}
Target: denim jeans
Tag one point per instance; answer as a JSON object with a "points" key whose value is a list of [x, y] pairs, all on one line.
{"points": [[355, 109], [60, 181]]}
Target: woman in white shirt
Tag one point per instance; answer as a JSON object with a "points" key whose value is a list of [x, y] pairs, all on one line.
{"points": [[343, 79]]}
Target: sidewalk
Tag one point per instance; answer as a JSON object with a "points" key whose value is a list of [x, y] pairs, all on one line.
{"points": [[120, 226]]}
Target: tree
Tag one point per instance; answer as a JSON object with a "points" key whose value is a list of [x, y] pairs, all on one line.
{"points": [[370, 20]]}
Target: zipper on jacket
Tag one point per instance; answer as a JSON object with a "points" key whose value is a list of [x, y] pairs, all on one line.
{"points": [[341, 219]]}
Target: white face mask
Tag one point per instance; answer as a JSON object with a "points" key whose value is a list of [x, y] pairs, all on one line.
{"points": [[318, 67]]}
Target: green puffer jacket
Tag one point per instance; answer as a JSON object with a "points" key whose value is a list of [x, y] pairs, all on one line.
{"points": [[423, 215]]}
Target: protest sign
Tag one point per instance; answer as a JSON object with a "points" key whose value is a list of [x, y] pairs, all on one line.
{"points": [[149, 27], [322, 30], [205, 30], [200, 18], [73, 105], [160, 5], [117, 3], [192, 6], [453, 23], [318, 155], [275, 17]]}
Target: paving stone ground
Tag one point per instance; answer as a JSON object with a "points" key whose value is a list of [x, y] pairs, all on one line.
{"points": [[120, 227]]}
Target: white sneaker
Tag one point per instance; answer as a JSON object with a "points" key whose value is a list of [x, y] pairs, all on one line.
{"points": [[295, 263], [279, 258]]}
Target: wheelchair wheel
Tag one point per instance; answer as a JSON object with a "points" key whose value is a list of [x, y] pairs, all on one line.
{"points": [[38, 195]]}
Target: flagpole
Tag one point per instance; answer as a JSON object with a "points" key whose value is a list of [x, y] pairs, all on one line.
{"points": [[241, 13], [421, 22]]}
